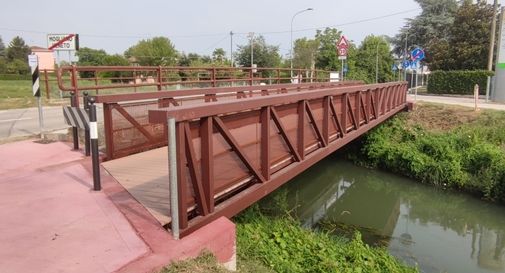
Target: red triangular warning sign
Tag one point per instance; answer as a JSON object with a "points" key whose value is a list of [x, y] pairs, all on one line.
{"points": [[342, 43]]}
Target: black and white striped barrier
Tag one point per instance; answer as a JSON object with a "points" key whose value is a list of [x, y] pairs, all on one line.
{"points": [[35, 81], [78, 118]]}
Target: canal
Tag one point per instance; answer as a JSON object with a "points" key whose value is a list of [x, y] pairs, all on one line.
{"points": [[434, 229]]}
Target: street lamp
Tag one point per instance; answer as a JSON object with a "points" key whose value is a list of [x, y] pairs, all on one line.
{"points": [[291, 52]]}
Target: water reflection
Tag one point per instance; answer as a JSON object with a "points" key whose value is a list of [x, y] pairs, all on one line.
{"points": [[437, 230]]}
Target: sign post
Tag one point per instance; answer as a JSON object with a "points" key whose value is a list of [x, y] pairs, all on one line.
{"points": [[33, 62], [342, 50], [498, 92]]}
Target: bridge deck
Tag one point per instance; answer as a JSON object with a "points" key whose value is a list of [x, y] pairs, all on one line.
{"points": [[145, 177]]}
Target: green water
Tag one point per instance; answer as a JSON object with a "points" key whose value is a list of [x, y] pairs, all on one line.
{"points": [[434, 229]]}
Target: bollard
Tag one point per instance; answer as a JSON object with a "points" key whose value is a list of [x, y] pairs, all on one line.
{"points": [[93, 132], [476, 96], [85, 101], [75, 133]]}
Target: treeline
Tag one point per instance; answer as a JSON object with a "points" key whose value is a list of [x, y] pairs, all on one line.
{"points": [[13, 58]]}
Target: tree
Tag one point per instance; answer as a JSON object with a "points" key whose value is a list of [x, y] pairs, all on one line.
{"points": [[304, 53], [468, 45], [154, 52], [219, 55], [17, 50], [264, 55], [366, 60], [91, 57], [2, 48], [327, 57], [428, 29], [18, 66]]}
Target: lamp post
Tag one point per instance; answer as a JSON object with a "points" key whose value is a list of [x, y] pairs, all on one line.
{"points": [[251, 37], [291, 52]]}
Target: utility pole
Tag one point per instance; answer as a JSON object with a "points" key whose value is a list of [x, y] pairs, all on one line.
{"points": [[251, 37], [377, 63], [405, 57], [231, 48], [491, 48]]}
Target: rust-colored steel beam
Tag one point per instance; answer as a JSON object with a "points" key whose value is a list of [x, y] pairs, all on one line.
{"points": [[194, 112], [213, 91]]}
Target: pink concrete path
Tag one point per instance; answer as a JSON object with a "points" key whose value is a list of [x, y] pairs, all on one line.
{"points": [[51, 221]]}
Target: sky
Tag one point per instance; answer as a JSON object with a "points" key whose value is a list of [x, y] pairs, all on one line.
{"points": [[197, 26]]}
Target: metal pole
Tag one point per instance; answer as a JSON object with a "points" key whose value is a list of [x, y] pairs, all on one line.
{"points": [[231, 49], [342, 69], [405, 57], [251, 37], [377, 63], [172, 174], [291, 51], [87, 148], [75, 133], [93, 132], [41, 117], [491, 48]]}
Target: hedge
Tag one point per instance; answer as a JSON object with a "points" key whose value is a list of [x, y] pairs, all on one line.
{"points": [[14, 77], [458, 81]]}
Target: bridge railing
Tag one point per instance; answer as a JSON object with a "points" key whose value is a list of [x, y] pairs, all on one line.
{"points": [[133, 79], [230, 154], [126, 126]]}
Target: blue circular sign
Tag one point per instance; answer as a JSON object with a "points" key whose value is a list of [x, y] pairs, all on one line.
{"points": [[417, 54]]}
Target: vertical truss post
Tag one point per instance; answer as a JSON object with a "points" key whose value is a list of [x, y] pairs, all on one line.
{"points": [[172, 175], [265, 142]]}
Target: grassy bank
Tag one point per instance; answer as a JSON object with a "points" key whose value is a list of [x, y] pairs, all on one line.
{"points": [[446, 146], [269, 241]]}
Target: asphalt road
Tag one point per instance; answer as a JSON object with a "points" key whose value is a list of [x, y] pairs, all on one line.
{"points": [[25, 122]]}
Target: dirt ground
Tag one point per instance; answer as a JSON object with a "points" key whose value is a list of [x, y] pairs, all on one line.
{"points": [[441, 117]]}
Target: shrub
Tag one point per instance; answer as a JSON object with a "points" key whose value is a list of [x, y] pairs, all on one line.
{"points": [[14, 77], [457, 82]]}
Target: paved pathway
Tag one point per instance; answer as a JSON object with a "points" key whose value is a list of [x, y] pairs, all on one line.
{"points": [[51, 220], [462, 101]]}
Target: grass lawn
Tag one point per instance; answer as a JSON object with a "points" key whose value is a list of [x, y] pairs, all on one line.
{"points": [[18, 94]]}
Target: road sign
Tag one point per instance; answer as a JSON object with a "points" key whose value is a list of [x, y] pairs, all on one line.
{"points": [[342, 51], [417, 54], [33, 60], [394, 67], [63, 41], [406, 64], [342, 42]]}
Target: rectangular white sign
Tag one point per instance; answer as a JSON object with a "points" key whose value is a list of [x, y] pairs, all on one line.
{"points": [[63, 41], [33, 60]]}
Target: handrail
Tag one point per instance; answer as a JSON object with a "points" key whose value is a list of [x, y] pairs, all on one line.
{"points": [[115, 98], [191, 112]]}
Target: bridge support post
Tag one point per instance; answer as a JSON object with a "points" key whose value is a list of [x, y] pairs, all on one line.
{"points": [[172, 175]]}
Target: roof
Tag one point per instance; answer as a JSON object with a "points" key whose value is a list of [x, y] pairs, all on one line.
{"points": [[39, 49]]}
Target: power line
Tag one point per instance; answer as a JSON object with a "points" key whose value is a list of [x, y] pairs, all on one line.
{"points": [[342, 24], [224, 33]]}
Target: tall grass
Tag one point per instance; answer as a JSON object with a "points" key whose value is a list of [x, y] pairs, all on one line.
{"points": [[470, 156]]}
